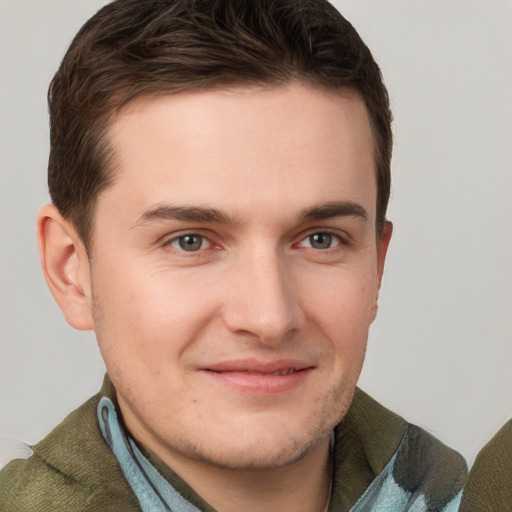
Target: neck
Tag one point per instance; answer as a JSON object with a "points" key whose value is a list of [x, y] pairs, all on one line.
{"points": [[303, 486]]}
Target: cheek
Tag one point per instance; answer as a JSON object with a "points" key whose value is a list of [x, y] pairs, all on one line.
{"points": [[344, 299], [156, 315], [344, 313]]}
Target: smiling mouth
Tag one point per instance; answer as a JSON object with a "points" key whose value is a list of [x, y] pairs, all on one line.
{"points": [[260, 378], [278, 373]]}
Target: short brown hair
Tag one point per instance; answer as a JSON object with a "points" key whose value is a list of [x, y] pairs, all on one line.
{"points": [[132, 48]]}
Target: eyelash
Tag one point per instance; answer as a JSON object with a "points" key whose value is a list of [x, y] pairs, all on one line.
{"points": [[332, 237], [177, 239], [335, 238]]}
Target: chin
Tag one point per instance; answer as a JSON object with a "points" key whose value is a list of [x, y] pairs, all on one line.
{"points": [[261, 453], [264, 442]]}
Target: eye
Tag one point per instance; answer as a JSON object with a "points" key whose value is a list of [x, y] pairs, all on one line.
{"points": [[322, 240], [191, 242]]}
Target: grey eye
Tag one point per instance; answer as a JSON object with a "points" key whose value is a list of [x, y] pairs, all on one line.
{"points": [[321, 240], [189, 243]]}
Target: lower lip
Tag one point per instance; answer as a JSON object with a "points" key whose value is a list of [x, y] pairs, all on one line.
{"points": [[261, 384]]}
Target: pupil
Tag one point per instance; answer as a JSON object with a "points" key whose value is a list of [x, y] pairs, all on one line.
{"points": [[321, 240], [190, 242]]}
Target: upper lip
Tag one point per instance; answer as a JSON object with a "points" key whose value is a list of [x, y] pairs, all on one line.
{"points": [[259, 367]]}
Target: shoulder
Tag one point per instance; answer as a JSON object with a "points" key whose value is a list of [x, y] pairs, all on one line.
{"points": [[421, 464], [71, 469], [30, 485], [34, 486], [490, 479]]}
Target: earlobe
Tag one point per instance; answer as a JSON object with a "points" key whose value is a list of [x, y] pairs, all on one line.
{"points": [[65, 266]]}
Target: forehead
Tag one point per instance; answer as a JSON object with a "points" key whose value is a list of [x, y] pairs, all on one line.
{"points": [[245, 147]]}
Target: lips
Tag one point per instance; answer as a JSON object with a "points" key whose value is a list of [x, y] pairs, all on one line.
{"points": [[258, 377]]}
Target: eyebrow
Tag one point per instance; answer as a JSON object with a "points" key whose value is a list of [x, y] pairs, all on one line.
{"points": [[333, 209], [198, 214], [186, 213]]}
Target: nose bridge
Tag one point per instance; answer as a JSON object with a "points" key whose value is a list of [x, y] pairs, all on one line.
{"points": [[263, 301]]}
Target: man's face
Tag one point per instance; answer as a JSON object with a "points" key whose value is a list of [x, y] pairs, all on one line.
{"points": [[235, 270]]}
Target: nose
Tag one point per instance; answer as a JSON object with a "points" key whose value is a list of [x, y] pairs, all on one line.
{"points": [[263, 297]]}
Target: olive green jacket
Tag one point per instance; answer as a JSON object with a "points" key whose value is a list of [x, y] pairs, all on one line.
{"points": [[489, 485], [73, 469]]}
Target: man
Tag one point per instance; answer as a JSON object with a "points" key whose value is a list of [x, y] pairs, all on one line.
{"points": [[489, 485], [220, 172]]}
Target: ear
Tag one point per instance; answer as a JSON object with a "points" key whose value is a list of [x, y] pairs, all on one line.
{"points": [[65, 266], [382, 249]]}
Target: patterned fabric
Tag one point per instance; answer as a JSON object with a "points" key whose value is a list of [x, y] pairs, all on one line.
{"points": [[379, 460], [385, 494]]}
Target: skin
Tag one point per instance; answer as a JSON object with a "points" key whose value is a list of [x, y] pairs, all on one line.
{"points": [[232, 360]]}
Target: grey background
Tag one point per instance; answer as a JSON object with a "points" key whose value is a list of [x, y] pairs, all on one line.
{"points": [[440, 352]]}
